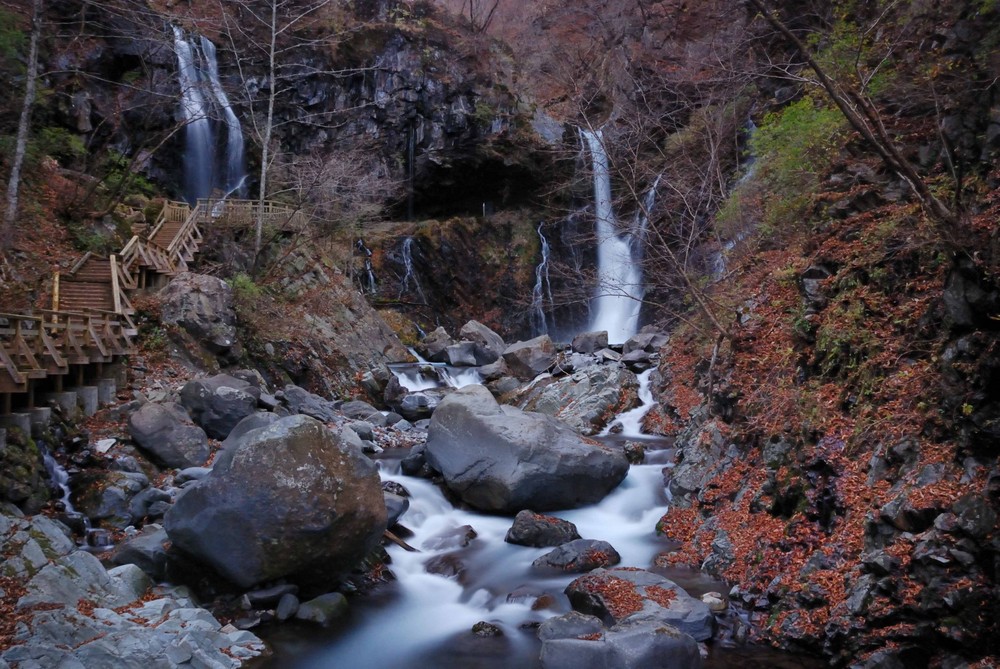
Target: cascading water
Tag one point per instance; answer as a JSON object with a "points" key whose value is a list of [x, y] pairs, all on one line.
{"points": [[198, 72], [640, 227], [619, 278], [366, 253], [235, 176], [199, 149], [408, 273], [542, 289]]}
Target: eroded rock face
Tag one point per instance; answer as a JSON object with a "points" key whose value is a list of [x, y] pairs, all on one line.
{"points": [[203, 307], [501, 459], [292, 502], [589, 398]]}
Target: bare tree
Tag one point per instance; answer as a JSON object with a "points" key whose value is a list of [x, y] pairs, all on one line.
{"points": [[23, 126], [857, 107]]}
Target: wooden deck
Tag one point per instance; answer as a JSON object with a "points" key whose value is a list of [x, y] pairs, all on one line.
{"points": [[90, 322]]}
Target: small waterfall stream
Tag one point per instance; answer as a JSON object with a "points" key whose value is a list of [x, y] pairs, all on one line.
{"points": [[619, 293], [542, 289], [409, 275]]}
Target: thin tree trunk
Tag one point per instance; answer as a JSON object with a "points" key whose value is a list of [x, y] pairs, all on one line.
{"points": [[268, 127], [21, 145], [863, 117]]}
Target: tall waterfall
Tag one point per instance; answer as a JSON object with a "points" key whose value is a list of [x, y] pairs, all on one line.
{"points": [[202, 99], [235, 174], [616, 305], [542, 289]]}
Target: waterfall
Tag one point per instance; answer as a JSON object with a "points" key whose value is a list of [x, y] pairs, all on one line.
{"points": [[619, 279], [408, 273], [235, 164], [198, 71], [640, 227], [542, 289], [198, 150], [369, 270]]}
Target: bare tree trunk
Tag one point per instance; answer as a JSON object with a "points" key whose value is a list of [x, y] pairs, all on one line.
{"points": [[268, 129], [864, 118], [21, 145]]}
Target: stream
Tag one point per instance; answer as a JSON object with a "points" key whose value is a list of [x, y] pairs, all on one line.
{"points": [[423, 619]]}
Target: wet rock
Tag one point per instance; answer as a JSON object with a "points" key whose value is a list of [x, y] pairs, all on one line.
{"points": [[501, 459], [146, 550], [395, 507], [358, 410], [528, 359], [570, 643], [168, 435], [106, 496], [618, 595], [486, 338], [485, 629], [301, 401], [292, 502], [581, 555], [268, 597], [649, 339], [323, 610], [218, 403], [463, 354], [287, 606], [635, 452], [590, 342], [434, 346], [539, 530], [588, 399], [639, 361]]}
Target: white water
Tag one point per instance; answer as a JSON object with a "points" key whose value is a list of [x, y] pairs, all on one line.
{"points": [[615, 307], [59, 476], [427, 375], [409, 274], [430, 609], [542, 289], [235, 164], [631, 421], [198, 149]]}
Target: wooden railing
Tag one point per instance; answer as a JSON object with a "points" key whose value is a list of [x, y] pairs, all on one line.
{"points": [[38, 346]]}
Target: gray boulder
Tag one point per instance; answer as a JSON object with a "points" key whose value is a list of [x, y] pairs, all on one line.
{"points": [[219, 402], [463, 354], [573, 641], [146, 551], [659, 599], [300, 400], [434, 346], [203, 307], [486, 338], [649, 339], [590, 342], [528, 359], [323, 609], [579, 556], [502, 459], [168, 435], [538, 530], [293, 502], [588, 399]]}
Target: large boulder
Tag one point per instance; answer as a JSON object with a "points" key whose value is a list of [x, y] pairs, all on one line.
{"points": [[434, 346], [168, 435], [489, 345], [619, 595], [649, 339], [576, 641], [219, 402], [528, 359], [590, 342], [589, 398], [292, 502], [203, 307], [502, 459]]}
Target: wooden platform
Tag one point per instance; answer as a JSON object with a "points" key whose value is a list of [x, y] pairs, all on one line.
{"points": [[90, 322]]}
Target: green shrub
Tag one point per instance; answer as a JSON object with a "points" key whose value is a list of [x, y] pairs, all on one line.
{"points": [[793, 147]]}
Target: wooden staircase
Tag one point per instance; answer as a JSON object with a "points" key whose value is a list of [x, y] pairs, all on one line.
{"points": [[91, 317]]}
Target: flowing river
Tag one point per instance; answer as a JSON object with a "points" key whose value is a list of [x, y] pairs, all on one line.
{"points": [[424, 618]]}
